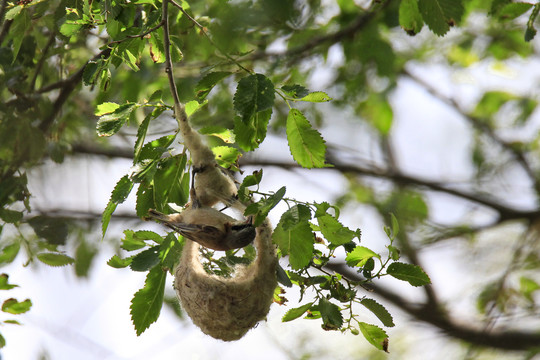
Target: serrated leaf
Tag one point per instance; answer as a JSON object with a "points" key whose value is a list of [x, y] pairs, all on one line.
{"points": [[147, 302], [131, 242], [297, 242], [118, 263], [226, 156], [295, 313], [141, 136], [207, 83], [413, 274], [110, 123], [84, 255], [106, 108], [334, 231], [379, 311], [153, 150], [295, 91], [119, 195], [513, 10], [156, 47], [249, 134], [253, 94], [438, 14], [410, 18], [4, 284], [360, 255], [307, 146], [282, 276], [169, 180], [145, 199], [170, 251], [55, 259], [10, 216], [374, 335], [145, 260], [9, 253], [261, 209], [54, 230], [15, 307], [331, 315], [316, 96]]}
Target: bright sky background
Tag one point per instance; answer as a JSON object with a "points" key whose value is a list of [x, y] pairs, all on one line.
{"points": [[89, 319]]}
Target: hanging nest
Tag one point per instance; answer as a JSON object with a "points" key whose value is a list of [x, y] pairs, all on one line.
{"points": [[227, 308]]}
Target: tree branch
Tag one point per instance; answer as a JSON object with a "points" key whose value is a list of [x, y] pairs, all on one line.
{"points": [[505, 340], [329, 39], [481, 126], [505, 212]]}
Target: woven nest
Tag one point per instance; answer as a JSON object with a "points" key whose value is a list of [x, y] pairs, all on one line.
{"points": [[227, 308]]}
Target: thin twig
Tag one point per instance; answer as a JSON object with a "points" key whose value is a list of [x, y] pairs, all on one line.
{"points": [[480, 125], [41, 60], [203, 30], [507, 340], [179, 109]]}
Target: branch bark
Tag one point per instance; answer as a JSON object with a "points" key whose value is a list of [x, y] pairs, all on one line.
{"points": [[505, 340]]}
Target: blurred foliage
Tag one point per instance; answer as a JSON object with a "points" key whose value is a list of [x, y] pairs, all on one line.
{"points": [[243, 69]]}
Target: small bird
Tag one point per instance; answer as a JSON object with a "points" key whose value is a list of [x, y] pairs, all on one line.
{"points": [[214, 185], [207, 226]]}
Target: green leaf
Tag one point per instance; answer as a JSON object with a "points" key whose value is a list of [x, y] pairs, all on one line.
{"points": [[316, 96], [116, 262], [207, 83], [440, 14], [282, 276], [9, 253], [360, 255], [169, 180], [170, 251], [410, 18], [513, 10], [295, 313], [55, 259], [263, 207], [379, 311], [226, 156], [119, 195], [2, 341], [141, 135], [295, 91], [84, 256], [106, 108], [377, 110], [491, 102], [413, 274], [145, 199], [4, 284], [10, 216], [193, 106], [156, 49], [334, 231], [527, 287], [154, 149], [374, 335], [251, 133], [147, 302], [109, 124], [131, 241], [54, 230], [15, 307], [255, 93], [145, 260], [331, 315], [296, 241], [306, 144]]}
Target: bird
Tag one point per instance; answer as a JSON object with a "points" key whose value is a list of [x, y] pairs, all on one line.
{"points": [[208, 226]]}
